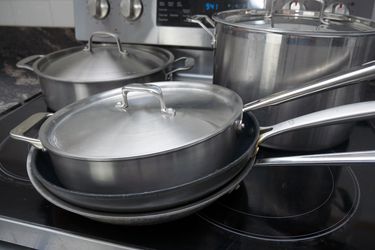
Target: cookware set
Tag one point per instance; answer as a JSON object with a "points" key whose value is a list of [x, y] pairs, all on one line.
{"points": [[127, 147]]}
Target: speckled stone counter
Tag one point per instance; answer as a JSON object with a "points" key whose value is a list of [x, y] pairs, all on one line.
{"points": [[16, 43]]}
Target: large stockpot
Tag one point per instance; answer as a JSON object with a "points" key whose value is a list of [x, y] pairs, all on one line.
{"points": [[122, 140], [72, 74], [258, 53]]}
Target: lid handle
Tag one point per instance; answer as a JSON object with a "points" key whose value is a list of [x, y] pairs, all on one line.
{"points": [[146, 88], [270, 10], [106, 34]]}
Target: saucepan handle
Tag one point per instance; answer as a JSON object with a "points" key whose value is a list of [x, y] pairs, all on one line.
{"points": [[355, 75], [335, 159], [151, 89], [188, 64], [345, 113], [19, 132], [198, 19], [103, 33], [26, 63]]}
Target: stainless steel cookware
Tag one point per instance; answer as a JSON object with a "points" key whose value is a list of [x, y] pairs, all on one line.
{"points": [[126, 141], [43, 171], [118, 208], [72, 74], [260, 52]]}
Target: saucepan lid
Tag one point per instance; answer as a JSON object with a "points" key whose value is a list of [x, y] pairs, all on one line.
{"points": [[298, 22], [103, 62], [141, 120]]}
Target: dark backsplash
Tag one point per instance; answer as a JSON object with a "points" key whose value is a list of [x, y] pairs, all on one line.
{"points": [[16, 43]]}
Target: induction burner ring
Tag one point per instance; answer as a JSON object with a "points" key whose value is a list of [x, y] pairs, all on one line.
{"points": [[319, 205], [325, 219], [12, 173]]}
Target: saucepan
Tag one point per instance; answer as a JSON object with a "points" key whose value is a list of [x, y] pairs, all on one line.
{"points": [[148, 141], [74, 73]]}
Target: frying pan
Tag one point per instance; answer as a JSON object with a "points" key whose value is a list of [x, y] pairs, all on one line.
{"points": [[249, 140]]}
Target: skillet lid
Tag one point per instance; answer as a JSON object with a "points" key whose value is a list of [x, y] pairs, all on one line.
{"points": [[103, 62], [100, 128], [299, 22]]}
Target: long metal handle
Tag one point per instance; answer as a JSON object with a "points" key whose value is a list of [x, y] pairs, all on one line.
{"points": [[356, 75], [146, 88], [25, 63], [189, 63], [340, 159], [198, 19], [103, 33], [19, 132], [345, 113]]}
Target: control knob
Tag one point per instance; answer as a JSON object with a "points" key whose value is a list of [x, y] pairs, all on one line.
{"points": [[131, 9], [98, 8]]}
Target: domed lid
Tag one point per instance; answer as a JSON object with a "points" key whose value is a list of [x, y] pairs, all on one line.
{"points": [[104, 62], [140, 120]]}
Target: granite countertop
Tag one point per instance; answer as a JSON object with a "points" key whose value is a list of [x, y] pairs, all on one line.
{"points": [[17, 85]]}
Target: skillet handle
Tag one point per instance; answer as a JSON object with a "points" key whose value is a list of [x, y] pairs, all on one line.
{"points": [[25, 63], [19, 132], [338, 159], [345, 113], [353, 76]]}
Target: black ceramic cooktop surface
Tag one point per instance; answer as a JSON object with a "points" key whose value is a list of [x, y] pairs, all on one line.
{"points": [[273, 208]]}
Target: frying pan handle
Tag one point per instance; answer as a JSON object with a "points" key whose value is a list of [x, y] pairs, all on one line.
{"points": [[345, 113], [103, 33], [19, 132], [357, 74], [188, 64], [340, 159], [25, 63], [198, 19], [145, 88]]}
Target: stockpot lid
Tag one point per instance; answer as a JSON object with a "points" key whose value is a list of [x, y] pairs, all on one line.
{"points": [[297, 22], [103, 62], [100, 128]]}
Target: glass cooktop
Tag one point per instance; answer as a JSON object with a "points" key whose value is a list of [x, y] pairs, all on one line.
{"points": [[273, 208]]}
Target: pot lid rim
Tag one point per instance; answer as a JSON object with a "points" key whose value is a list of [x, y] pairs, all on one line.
{"points": [[69, 110], [218, 18], [74, 49]]}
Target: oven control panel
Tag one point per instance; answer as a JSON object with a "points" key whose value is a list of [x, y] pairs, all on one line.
{"points": [[174, 13]]}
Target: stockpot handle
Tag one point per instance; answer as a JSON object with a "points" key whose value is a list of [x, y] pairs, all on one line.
{"points": [[189, 63], [345, 113], [27, 62], [19, 132], [103, 33], [198, 19], [145, 88], [358, 74], [339, 159]]}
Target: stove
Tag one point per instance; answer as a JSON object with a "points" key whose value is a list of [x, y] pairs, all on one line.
{"points": [[274, 207], [328, 207]]}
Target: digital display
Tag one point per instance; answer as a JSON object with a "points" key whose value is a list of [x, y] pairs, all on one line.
{"points": [[174, 13]]}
